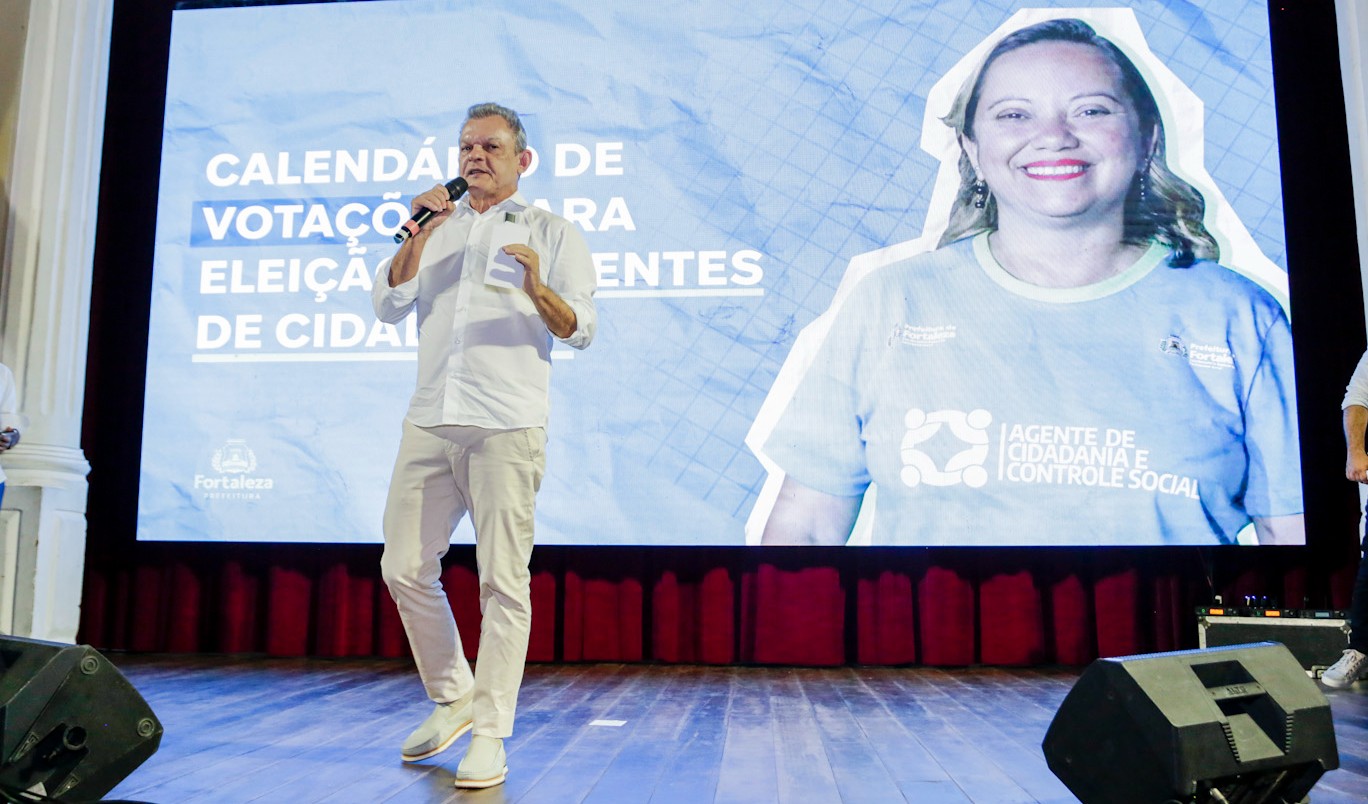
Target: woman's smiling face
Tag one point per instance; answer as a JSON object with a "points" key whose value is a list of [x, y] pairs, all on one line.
{"points": [[1056, 137]]}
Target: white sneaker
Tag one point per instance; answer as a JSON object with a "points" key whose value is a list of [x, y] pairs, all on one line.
{"points": [[484, 764], [1352, 666], [439, 731]]}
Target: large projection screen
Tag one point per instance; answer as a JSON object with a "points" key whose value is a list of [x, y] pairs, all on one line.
{"points": [[786, 351]]}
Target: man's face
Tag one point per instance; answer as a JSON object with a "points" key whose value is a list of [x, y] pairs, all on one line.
{"points": [[490, 161]]}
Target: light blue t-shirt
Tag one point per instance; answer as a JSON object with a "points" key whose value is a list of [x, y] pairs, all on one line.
{"points": [[1155, 407]]}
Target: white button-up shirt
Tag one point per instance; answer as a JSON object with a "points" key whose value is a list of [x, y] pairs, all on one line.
{"points": [[9, 405], [484, 353], [1357, 392]]}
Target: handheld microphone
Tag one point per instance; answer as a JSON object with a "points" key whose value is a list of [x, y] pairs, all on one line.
{"points": [[455, 189]]}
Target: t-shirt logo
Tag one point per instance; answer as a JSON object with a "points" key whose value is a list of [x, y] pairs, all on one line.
{"points": [[909, 335], [1204, 356], [965, 466]]}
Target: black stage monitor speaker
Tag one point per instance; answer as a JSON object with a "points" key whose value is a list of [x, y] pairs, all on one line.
{"points": [[71, 726], [1242, 723]]}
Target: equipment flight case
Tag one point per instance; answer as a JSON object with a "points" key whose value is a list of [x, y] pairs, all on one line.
{"points": [[1316, 637]]}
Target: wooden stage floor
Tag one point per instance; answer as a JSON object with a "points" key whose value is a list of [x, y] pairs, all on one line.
{"points": [[295, 731]]}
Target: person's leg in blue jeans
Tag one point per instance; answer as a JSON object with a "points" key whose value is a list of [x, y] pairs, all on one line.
{"points": [[1353, 665], [1358, 607]]}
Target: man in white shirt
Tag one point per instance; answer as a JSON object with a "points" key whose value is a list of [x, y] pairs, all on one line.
{"points": [[492, 280], [1353, 665], [9, 418]]}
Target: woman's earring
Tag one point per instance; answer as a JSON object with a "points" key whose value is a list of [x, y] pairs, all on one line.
{"points": [[980, 194], [1144, 181]]}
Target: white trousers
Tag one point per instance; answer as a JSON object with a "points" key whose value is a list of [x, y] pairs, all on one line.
{"points": [[440, 474]]}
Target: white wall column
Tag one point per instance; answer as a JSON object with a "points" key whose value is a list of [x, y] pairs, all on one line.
{"points": [[52, 187], [1352, 20]]}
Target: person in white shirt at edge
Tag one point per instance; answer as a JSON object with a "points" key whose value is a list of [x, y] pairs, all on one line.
{"points": [[9, 418], [474, 434], [1353, 665]]}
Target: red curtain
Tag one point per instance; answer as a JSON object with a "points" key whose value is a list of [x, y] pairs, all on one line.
{"points": [[763, 606]]}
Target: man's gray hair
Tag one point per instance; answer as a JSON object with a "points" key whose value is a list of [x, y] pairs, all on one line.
{"points": [[480, 110]]}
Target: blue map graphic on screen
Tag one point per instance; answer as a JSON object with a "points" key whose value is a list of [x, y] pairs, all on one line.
{"points": [[764, 190]]}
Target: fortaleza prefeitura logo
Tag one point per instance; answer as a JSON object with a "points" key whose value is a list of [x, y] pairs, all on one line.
{"points": [[235, 466]]}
